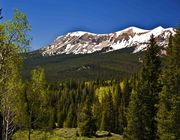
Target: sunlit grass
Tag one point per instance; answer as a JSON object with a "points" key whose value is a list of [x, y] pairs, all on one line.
{"points": [[61, 134]]}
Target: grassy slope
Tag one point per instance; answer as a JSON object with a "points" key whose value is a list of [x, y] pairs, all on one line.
{"points": [[59, 134], [110, 65]]}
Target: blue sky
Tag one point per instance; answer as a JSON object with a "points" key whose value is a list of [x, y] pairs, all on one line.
{"points": [[51, 18]]}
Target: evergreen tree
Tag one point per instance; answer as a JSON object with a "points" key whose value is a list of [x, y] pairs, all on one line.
{"points": [[132, 131], [86, 122], [169, 105], [126, 92], [71, 119], [147, 96], [97, 112], [53, 98], [52, 118], [108, 113], [118, 108]]}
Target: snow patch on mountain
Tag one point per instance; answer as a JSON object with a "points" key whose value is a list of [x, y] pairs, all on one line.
{"points": [[81, 42]]}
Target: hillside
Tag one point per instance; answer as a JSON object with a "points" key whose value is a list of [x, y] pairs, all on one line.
{"points": [[116, 64]]}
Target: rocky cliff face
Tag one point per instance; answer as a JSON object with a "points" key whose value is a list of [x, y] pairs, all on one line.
{"points": [[84, 42]]}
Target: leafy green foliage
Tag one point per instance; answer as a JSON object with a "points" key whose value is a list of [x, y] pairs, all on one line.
{"points": [[13, 39]]}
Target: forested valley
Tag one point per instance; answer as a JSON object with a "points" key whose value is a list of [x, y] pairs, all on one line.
{"points": [[143, 106]]}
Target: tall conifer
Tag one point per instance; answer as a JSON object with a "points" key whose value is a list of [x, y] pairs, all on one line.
{"points": [[142, 125], [168, 116]]}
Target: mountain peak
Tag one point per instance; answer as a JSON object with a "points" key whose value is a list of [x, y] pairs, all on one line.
{"points": [[77, 33], [135, 29], [159, 28], [81, 42]]}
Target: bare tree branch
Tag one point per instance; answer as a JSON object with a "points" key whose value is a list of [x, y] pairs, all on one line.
{"points": [[0, 13]]}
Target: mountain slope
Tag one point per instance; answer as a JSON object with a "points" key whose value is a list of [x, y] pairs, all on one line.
{"points": [[85, 43], [113, 65]]}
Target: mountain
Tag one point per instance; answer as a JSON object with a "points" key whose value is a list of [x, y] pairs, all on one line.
{"points": [[78, 55], [85, 43]]}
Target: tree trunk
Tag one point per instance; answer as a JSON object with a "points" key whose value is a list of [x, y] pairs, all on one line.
{"points": [[7, 125], [29, 127], [1, 127], [29, 133]]}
